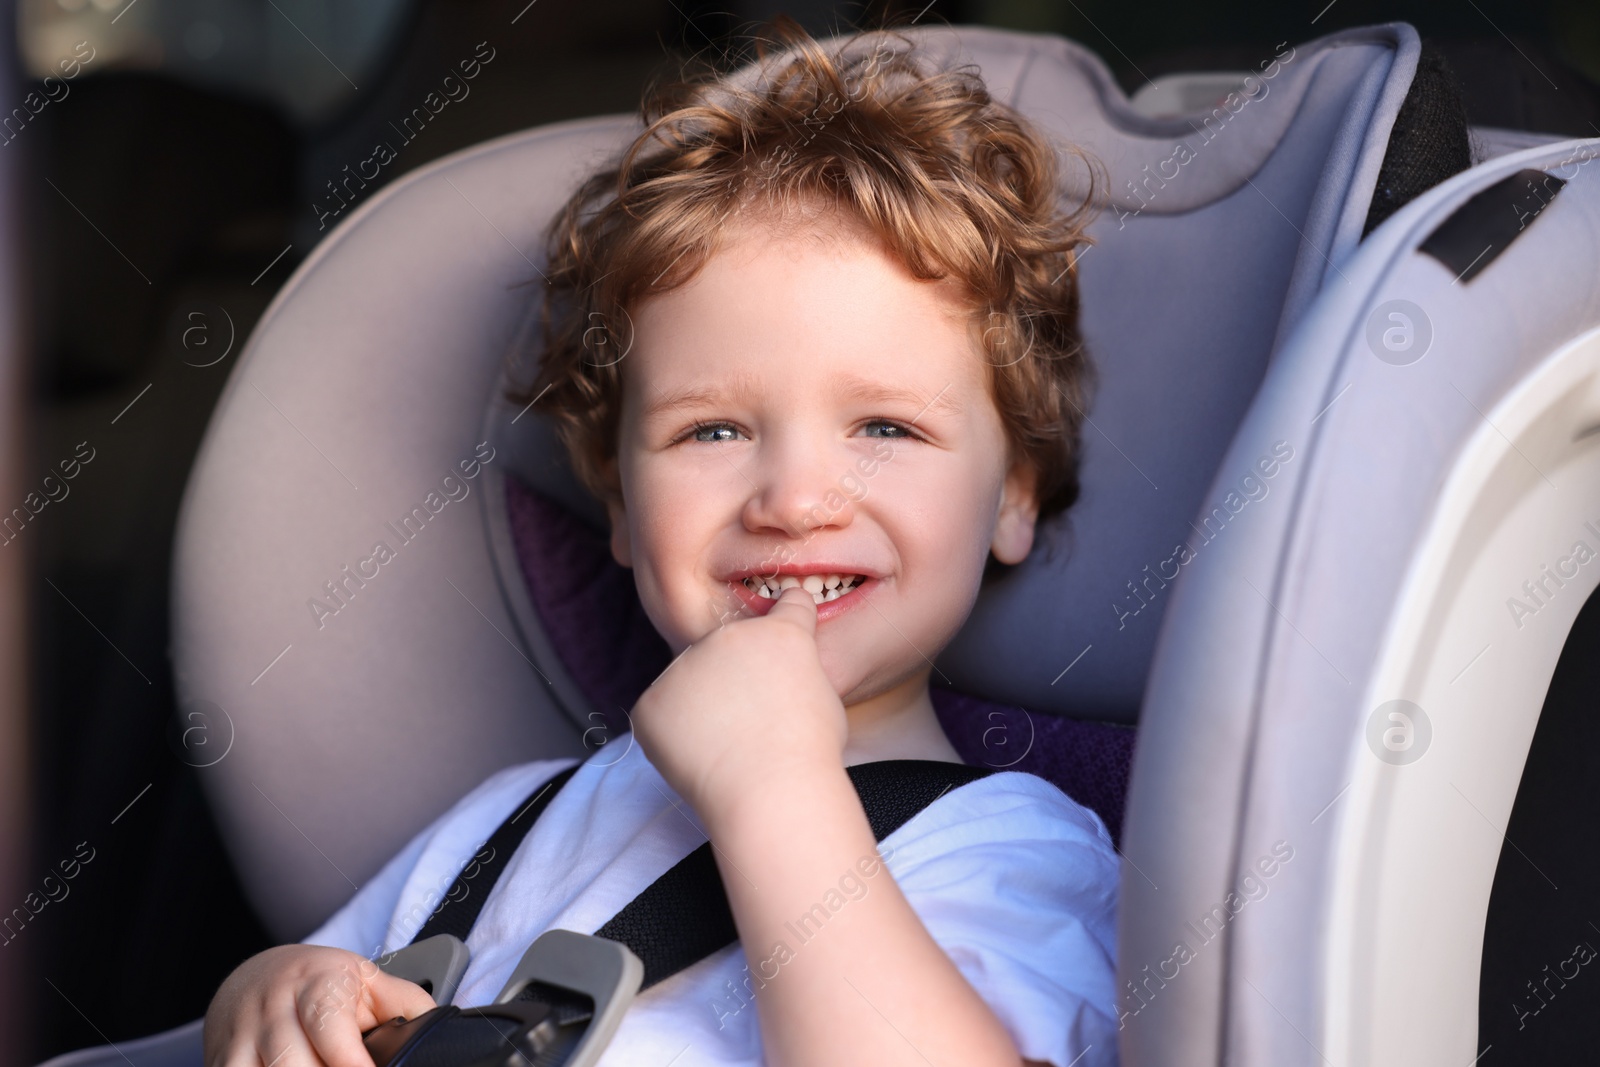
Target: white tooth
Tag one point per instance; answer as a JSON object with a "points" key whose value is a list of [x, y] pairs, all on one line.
{"points": [[832, 594], [831, 581], [765, 592], [788, 581], [812, 583], [817, 598]]}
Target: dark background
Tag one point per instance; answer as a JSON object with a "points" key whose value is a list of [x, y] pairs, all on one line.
{"points": [[155, 195]]}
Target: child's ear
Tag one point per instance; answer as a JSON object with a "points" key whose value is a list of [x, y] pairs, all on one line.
{"points": [[621, 548], [1019, 510]]}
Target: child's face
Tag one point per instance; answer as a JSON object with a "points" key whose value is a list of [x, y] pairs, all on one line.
{"points": [[845, 427]]}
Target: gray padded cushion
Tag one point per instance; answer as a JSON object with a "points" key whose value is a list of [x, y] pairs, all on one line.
{"points": [[369, 378], [1180, 313]]}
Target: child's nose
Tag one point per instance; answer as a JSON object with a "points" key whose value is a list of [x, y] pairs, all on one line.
{"points": [[796, 492]]}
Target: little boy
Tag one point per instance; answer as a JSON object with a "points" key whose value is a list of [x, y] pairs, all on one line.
{"points": [[815, 344]]}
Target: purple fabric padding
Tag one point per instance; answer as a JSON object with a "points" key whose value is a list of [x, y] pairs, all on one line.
{"points": [[592, 617], [587, 603], [1088, 761]]}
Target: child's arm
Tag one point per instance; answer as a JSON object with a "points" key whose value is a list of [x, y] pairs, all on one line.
{"points": [[304, 1006], [867, 983], [747, 728]]}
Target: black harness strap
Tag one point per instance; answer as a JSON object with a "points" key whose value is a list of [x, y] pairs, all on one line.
{"points": [[460, 907], [684, 916]]}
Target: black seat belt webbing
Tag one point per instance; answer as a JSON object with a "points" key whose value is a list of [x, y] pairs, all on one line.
{"points": [[684, 916], [460, 907]]}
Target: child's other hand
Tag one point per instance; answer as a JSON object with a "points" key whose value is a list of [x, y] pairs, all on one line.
{"points": [[748, 701], [304, 1006]]}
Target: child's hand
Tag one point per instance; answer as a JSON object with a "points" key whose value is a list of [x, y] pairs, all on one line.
{"points": [[748, 701], [304, 1006]]}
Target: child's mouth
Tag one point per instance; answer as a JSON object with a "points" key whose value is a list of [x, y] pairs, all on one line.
{"points": [[834, 592], [822, 587]]}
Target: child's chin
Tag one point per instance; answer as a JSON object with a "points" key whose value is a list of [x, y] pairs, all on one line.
{"points": [[850, 680], [842, 677]]}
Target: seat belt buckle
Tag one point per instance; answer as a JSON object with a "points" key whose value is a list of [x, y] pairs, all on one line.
{"points": [[585, 979], [500, 1035], [560, 1007], [435, 963]]}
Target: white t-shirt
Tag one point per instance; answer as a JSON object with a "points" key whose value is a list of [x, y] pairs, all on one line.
{"points": [[1012, 878]]}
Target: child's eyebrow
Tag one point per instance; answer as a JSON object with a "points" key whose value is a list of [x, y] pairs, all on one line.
{"points": [[846, 387], [854, 388], [696, 396]]}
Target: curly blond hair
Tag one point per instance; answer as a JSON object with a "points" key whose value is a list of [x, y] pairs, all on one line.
{"points": [[952, 182]]}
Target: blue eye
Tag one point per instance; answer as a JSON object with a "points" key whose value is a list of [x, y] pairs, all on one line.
{"points": [[706, 432], [900, 432]]}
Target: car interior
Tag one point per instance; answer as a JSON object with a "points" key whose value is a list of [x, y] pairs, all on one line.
{"points": [[1310, 652]]}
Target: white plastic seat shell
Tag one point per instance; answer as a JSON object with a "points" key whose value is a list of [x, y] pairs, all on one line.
{"points": [[1421, 497]]}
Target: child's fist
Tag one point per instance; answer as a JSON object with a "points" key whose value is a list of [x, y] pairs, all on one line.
{"points": [[748, 701], [304, 1006]]}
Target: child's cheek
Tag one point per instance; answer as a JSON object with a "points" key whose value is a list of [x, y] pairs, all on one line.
{"points": [[665, 614], [682, 608]]}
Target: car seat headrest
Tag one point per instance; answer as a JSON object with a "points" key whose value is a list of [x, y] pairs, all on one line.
{"points": [[1259, 186]]}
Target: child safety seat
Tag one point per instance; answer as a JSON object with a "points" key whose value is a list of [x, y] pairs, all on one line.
{"points": [[354, 692]]}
